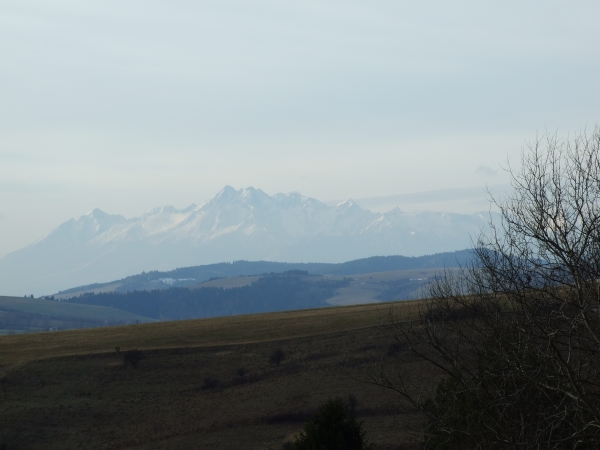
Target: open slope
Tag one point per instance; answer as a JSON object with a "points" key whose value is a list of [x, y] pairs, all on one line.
{"points": [[71, 389], [193, 333]]}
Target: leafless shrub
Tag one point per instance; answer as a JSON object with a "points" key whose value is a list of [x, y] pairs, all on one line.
{"points": [[132, 357], [352, 402], [515, 336], [277, 357], [210, 384]]}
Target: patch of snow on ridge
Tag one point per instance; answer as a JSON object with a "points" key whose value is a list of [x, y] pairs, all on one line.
{"points": [[163, 220], [171, 281]]}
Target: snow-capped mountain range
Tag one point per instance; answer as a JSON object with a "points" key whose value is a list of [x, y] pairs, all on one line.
{"points": [[236, 224]]}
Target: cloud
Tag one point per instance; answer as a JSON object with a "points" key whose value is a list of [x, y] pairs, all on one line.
{"points": [[486, 170]]}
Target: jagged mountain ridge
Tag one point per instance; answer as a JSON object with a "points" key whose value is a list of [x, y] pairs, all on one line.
{"points": [[236, 224]]}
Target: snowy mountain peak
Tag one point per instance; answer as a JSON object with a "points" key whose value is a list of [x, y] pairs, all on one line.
{"points": [[236, 224], [96, 212], [83, 228], [224, 195], [296, 200], [100, 217], [228, 195], [168, 209], [347, 204], [253, 196]]}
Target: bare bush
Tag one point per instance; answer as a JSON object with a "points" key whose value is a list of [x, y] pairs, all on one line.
{"points": [[332, 427], [210, 384], [277, 357], [514, 338], [132, 357]]}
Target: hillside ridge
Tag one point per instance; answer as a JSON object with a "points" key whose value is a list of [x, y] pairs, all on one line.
{"points": [[189, 276]]}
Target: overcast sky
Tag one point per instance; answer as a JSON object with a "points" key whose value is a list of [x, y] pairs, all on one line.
{"points": [[130, 105]]}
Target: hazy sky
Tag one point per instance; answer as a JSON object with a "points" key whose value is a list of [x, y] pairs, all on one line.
{"points": [[131, 105]]}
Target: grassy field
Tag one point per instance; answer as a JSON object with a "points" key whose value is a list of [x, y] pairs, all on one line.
{"points": [[201, 384], [363, 288], [367, 287]]}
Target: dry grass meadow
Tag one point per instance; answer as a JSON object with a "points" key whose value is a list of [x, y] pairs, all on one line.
{"points": [[201, 383]]}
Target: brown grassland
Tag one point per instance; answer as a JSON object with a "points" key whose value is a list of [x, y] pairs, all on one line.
{"points": [[201, 383]]}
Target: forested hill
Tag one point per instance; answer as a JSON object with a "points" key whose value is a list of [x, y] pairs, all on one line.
{"points": [[188, 276], [274, 292], [390, 263]]}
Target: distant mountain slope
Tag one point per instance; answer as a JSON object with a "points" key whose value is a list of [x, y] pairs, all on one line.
{"points": [[275, 292], [20, 314], [189, 276], [245, 224]]}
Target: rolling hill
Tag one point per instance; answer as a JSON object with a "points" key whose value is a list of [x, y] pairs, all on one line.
{"points": [[191, 276], [200, 384], [24, 314]]}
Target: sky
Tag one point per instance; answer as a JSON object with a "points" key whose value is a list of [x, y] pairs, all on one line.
{"points": [[125, 106]]}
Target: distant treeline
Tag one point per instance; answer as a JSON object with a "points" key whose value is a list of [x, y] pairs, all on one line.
{"points": [[19, 321], [273, 292]]}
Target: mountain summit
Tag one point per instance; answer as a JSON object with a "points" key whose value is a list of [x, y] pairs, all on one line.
{"points": [[236, 224]]}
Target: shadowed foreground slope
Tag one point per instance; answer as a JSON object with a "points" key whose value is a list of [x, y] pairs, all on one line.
{"points": [[201, 384]]}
